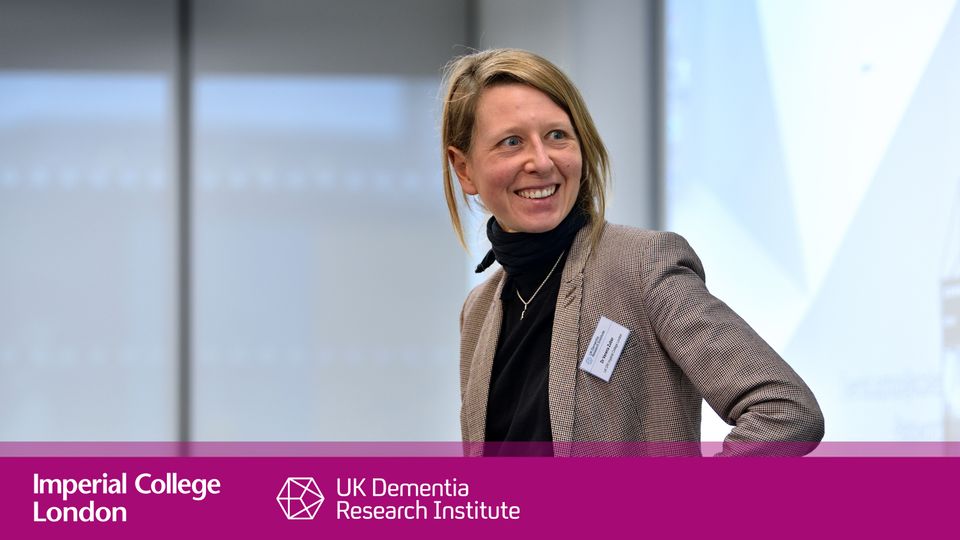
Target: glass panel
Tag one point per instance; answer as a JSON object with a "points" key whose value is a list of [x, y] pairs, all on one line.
{"points": [[328, 281], [811, 161], [87, 298]]}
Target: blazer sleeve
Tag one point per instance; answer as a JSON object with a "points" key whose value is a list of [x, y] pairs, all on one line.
{"points": [[464, 375], [741, 377], [471, 324]]}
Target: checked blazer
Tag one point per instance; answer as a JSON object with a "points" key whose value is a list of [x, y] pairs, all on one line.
{"points": [[684, 345]]}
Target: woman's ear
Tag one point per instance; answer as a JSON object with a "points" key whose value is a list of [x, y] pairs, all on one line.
{"points": [[459, 161]]}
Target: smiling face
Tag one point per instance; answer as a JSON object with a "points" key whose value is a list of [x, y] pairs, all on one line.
{"points": [[524, 159]]}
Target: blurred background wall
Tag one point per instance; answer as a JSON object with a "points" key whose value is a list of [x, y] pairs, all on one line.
{"points": [[301, 282]]}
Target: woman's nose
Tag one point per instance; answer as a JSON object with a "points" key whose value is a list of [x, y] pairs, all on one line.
{"points": [[538, 161]]}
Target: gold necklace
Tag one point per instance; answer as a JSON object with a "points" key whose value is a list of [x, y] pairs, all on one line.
{"points": [[527, 302]]}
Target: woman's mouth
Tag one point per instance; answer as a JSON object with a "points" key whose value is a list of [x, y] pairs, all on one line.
{"points": [[539, 193]]}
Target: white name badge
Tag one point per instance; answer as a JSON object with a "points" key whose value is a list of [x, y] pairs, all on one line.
{"points": [[605, 348]]}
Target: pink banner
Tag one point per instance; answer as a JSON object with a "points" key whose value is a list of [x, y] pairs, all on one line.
{"points": [[238, 490]]}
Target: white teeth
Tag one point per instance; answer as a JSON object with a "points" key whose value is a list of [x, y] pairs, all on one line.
{"points": [[537, 193]]}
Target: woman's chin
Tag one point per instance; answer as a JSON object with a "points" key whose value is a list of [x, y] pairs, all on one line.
{"points": [[538, 225]]}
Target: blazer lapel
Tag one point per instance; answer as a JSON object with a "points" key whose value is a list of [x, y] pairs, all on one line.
{"points": [[565, 343], [478, 387]]}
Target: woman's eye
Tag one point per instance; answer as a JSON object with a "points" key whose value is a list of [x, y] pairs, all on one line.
{"points": [[511, 141], [557, 135]]}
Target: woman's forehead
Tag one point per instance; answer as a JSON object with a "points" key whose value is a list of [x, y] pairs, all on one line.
{"points": [[516, 102]]}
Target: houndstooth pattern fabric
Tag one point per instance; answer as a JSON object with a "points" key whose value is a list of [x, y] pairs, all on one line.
{"points": [[684, 343]]}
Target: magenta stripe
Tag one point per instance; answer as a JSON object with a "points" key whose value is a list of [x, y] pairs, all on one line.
{"points": [[565, 498], [455, 449]]}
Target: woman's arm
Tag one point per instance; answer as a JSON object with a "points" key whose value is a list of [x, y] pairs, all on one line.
{"points": [[742, 378]]}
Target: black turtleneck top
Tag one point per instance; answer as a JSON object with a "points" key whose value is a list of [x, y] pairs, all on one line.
{"points": [[518, 405]]}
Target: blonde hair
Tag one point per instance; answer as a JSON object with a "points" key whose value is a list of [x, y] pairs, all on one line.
{"points": [[466, 77]]}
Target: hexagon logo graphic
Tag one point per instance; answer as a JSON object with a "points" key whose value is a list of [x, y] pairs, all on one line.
{"points": [[300, 498]]}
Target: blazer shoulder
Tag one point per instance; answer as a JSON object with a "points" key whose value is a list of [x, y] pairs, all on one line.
{"points": [[622, 245], [625, 236]]}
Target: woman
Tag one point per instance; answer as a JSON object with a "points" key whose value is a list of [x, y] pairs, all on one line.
{"points": [[590, 331]]}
